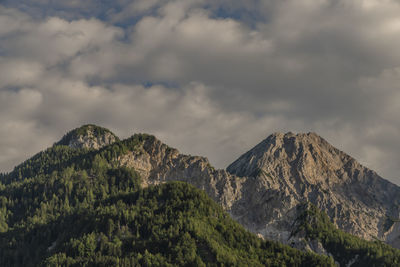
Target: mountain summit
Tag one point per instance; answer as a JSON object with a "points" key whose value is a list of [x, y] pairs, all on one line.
{"points": [[88, 136], [299, 160], [305, 153]]}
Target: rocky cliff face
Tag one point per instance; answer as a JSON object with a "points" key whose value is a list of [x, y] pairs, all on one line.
{"points": [[264, 187], [88, 136]]}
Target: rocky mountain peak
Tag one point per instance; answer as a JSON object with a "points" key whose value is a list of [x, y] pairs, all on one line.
{"points": [[306, 156], [88, 136], [295, 168]]}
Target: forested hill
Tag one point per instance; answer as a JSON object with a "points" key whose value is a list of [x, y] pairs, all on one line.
{"points": [[170, 224], [74, 207]]}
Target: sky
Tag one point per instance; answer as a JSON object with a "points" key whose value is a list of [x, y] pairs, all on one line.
{"points": [[211, 78]]}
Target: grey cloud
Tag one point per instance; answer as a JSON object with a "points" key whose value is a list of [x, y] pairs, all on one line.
{"points": [[256, 68]]}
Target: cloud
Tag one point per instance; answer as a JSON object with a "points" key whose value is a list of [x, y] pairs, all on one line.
{"points": [[18, 131], [17, 72], [208, 77], [55, 40]]}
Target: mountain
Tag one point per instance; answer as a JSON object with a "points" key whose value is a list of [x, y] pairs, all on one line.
{"points": [[70, 206], [264, 187], [278, 190], [296, 168]]}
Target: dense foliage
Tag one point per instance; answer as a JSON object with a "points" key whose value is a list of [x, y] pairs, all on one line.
{"points": [[171, 224], [77, 207], [344, 247]]}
